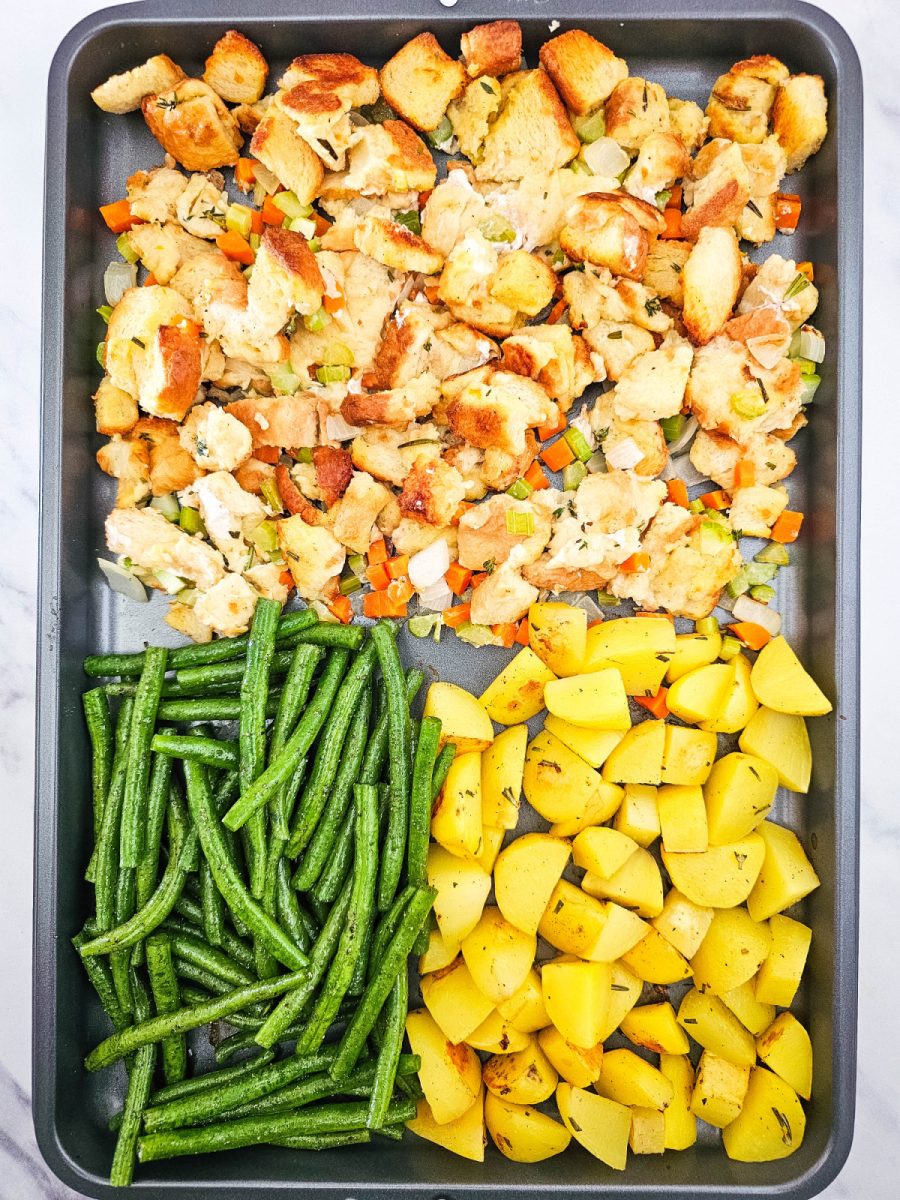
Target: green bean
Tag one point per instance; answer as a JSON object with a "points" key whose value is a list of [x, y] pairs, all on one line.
{"points": [[420, 801], [213, 907], [210, 985], [206, 750], [222, 649], [389, 924], [100, 731], [266, 966], [325, 1141], [320, 957], [143, 1034], [294, 695], [316, 1087], [210, 1080], [191, 923], [228, 881], [166, 997], [195, 950], [246, 1040], [172, 690], [253, 1131], [99, 974], [140, 1081], [105, 860], [323, 839], [394, 1132], [359, 918], [392, 963], [389, 1058], [137, 771], [252, 730], [280, 770], [442, 769], [201, 679], [211, 708], [341, 637], [399, 765], [288, 910], [147, 875], [120, 960]]}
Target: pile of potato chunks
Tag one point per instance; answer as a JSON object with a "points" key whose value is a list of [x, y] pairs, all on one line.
{"points": [[612, 791]]}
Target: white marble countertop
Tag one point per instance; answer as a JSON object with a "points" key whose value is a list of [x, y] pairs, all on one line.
{"points": [[32, 33]]}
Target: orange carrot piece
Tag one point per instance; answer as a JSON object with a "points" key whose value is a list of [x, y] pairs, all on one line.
{"points": [[424, 197], [458, 578], [558, 455], [536, 477], [286, 578], [744, 474], [639, 561], [235, 247], [150, 281], [752, 635], [548, 431], [787, 211], [397, 567], [245, 173], [787, 528], [257, 224], [506, 632], [666, 616], [464, 506], [333, 304], [672, 218], [807, 269], [678, 493], [458, 615], [655, 705], [479, 578], [118, 216], [596, 621], [271, 213], [400, 590], [557, 311], [523, 632], [378, 577], [188, 326], [267, 454], [342, 609], [717, 500], [322, 224], [377, 552], [674, 200], [374, 604]]}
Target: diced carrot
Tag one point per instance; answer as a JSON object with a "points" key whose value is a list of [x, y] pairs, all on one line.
{"points": [[464, 506], [188, 325], [655, 705], [432, 293], [558, 455], [642, 612], [291, 495], [373, 604], [548, 431], [424, 197], [807, 269], [458, 615], [342, 609], [639, 561], [744, 474], [395, 610], [378, 552], [378, 576], [674, 200], [672, 218], [506, 632], [400, 590], [479, 578], [151, 280], [787, 527], [596, 621], [752, 635], [458, 578], [717, 500], [245, 173], [333, 304], [398, 567], [286, 578], [536, 477], [271, 213], [322, 224], [267, 454], [235, 247], [523, 632], [557, 311], [369, 380], [787, 211], [678, 493], [118, 216], [257, 224]]}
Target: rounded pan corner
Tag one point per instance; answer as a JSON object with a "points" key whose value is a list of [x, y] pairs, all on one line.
{"points": [[829, 26], [830, 1163], [58, 1161]]}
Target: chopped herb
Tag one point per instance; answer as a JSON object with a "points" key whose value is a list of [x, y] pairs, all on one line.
{"points": [[163, 102], [582, 544], [557, 513], [644, 98], [618, 987], [689, 1021], [676, 267], [754, 209], [137, 341], [487, 87], [787, 1135], [770, 466], [653, 306], [753, 771], [800, 283], [508, 794], [740, 859], [490, 566], [559, 906], [615, 335], [553, 766], [428, 345]]}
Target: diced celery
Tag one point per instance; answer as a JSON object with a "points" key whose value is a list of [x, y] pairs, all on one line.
{"points": [[663, 198], [520, 524], [239, 218], [187, 596], [775, 553], [760, 572], [348, 585], [190, 521], [333, 374], [477, 635], [572, 475], [607, 599], [168, 505], [410, 220], [255, 241], [812, 344], [708, 626], [105, 311], [672, 427], [124, 247], [317, 320], [101, 354], [426, 625], [806, 365], [520, 490], [749, 403], [289, 204], [265, 537], [315, 245], [169, 582], [438, 137], [336, 354], [592, 127], [763, 593], [730, 648], [697, 507], [283, 379], [578, 444], [579, 167], [740, 584], [381, 111], [809, 386], [496, 228], [557, 258], [271, 495], [259, 194], [357, 564], [304, 454], [713, 534], [301, 225]]}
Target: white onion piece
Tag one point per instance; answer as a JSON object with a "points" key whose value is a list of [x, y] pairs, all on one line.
{"points": [[682, 468], [606, 157], [117, 279], [123, 581], [747, 609], [583, 425], [584, 600], [437, 597], [597, 463], [337, 429], [624, 454], [812, 344], [768, 349], [691, 426], [430, 565], [726, 601]]}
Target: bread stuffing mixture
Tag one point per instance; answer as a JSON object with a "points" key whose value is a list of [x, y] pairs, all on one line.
{"points": [[446, 337]]}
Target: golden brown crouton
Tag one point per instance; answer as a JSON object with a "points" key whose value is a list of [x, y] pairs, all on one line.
{"points": [[383, 158], [236, 69], [765, 333], [635, 109], [757, 220], [128, 461], [652, 385], [248, 116], [497, 408], [216, 440], [720, 371], [154, 194], [115, 410], [278, 145], [484, 535], [420, 80], [396, 246], [762, 66], [492, 49], [555, 358], [286, 279], [688, 122], [171, 466], [151, 357], [717, 195], [319, 91], [610, 230], [281, 421], [717, 456], [583, 69], [432, 492], [665, 263], [502, 598], [799, 118], [754, 510], [661, 160], [778, 284], [524, 282], [183, 619], [420, 339], [334, 470], [192, 124], [472, 113], [616, 344], [389, 454], [532, 131], [741, 100], [398, 407], [124, 93], [170, 373], [711, 279], [357, 511]]}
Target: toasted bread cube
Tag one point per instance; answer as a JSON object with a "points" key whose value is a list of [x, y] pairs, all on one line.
{"points": [[688, 122], [492, 49], [611, 231], [661, 160], [115, 410], [236, 70], [421, 80], [192, 124], [583, 69], [148, 356], [718, 196], [318, 92], [532, 131], [799, 118], [183, 619], [248, 116], [278, 146], [762, 66], [171, 465], [128, 461], [524, 282], [472, 113], [665, 264], [124, 93], [396, 246], [286, 279], [635, 109], [384, 158], [711, 278]]}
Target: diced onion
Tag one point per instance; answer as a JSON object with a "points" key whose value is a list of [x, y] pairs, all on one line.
{"points": [[746, 609], [438, 597], [682, 468], [812, 344], [123, 581], [768, 350], [168, 505], [691, 426], [606, 157], [170, 583], [117, 279], [584, 600], [430, 565], [597, 463], [337, 429], [624, 455]]}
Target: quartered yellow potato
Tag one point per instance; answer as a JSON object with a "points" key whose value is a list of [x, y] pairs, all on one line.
{"points": [[786, 875], [630, 1079], [557, 633], [751, 1012], [496, 1035], [648, 1131], [601, 1125], [780, 975], [680, 1122], [502, 765], [491, 843], [732, 952], [721, 877], [771, 1123], [740, 703], [456, 820], [454, 1000], [638, 758], [688, 756], [638, 815], [739, 792], [719, 1090], [450, 1074], [637, 884], [521, 1133], [640, 647], [560, 785], [682, 818], [683, 923], [438, 954], [593, 745], [463, 718], [525, 875], [524, 1077], [577, 998], [655, 1026], [602, 850], [785, 1048], [517, 694], [693, 650], [782, 740], [655, 960], [700, 695], [715, 1027], [595, 701], [498, 955], [782, 683], [463, 1136], [578, 1065], [462, 888]]}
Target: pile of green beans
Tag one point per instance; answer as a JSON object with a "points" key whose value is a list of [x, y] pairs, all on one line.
{"points": [[260, 808]]}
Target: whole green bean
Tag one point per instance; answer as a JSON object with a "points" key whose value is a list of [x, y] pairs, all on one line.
{"points": [[212, 906], [105, 860], [252, 729], [420, 801], [294, 694], [195, 950], [140, 1080], [167, 998], [210, 1080], [394, 1132], [341, 637], [120, 960], [393, 961], [147, 875], [442, 769], [389, 1057], [172, 690], [211, 708], [359, 919], [228, 881], [323, 839], [288, 910], [253, 1131], [100, 976], [100, 731], [246, 1040], [189, 920], [208, 986], [280, 770], [389, 924], [399, 765], [325, 1141], [137, 771], [320, 957], [208, 751], [200, 679]]}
